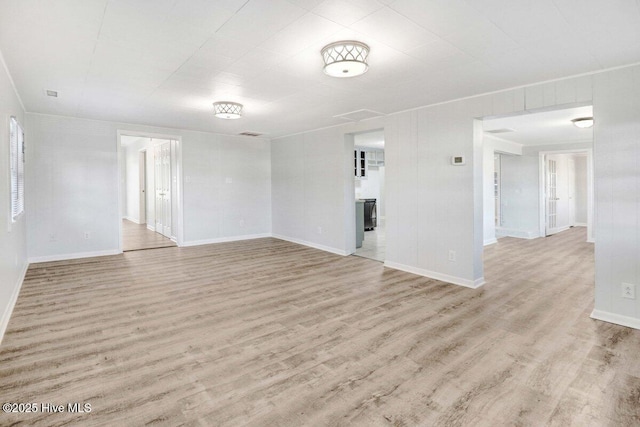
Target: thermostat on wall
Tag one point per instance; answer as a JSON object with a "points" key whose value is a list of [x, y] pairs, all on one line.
{"points": [[457, 160]]}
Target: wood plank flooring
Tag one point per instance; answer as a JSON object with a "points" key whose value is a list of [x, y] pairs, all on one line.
{"points": [[267, 333], [136, 237]]}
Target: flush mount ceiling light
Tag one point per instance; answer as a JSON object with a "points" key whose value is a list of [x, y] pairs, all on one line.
{"points": [[227, 110], [583, 122], [345, 58]]}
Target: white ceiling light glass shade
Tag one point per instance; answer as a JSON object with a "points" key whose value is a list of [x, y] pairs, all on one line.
{"points": [[345, 59], [583, 122], [227, 110]]}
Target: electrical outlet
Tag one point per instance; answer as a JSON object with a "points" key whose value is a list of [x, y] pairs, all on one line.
{"points": [[242, 223], [87, 235], [53, 237], [319, 230], [452, 256], [628, 290], [229, 180]]}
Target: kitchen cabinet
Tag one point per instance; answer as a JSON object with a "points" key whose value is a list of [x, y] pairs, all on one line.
{"points": [[375, 158], [360, 163]]}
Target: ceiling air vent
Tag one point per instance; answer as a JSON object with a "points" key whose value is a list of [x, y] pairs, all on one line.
{"points": [[503, 130], [247, 133], [53, 93], [356, 116]]}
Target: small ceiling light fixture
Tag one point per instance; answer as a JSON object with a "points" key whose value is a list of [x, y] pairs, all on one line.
{"points": [[345, 58], [583, 122], [227, 110]]}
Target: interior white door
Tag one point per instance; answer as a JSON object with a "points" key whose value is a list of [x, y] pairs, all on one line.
{"points": [[162, 181], [556, 194], [142, 180], [571, 191]]}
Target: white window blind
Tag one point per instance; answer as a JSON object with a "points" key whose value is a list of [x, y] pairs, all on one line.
{"points": [[17, 168]]}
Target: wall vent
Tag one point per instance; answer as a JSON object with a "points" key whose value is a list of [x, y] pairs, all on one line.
{"points": [[53, 93], [247, 133]]}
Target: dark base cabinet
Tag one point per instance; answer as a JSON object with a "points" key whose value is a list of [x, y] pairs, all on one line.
{"points": [[370, 216]]}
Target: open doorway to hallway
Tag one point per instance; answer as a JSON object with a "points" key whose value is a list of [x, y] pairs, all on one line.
{"points": [[149, 185], [369, 174], [538, 175]]}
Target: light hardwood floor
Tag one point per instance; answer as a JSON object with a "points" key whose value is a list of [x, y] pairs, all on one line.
{"points": [[266, 332], [136, 237]]}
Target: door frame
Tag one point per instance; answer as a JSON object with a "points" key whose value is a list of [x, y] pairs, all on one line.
{"points": [[590, 189], [178, 175]]}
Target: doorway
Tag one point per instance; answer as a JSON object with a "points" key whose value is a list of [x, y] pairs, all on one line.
{"points": [[149, 191], [538, 174], [566, 191], [369, 194]]}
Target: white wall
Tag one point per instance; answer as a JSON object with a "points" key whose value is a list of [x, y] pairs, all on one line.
{"points": [[227, 190], [491, 146], [520, 197], [73, 180], [13, 236], [581, 189], [616, 109], [309, 180]]}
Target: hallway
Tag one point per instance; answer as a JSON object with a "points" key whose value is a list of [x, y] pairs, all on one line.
{"points": [[137, 237]]}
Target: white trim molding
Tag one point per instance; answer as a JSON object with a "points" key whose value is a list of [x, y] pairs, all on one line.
{"points": [[312, 245], [151, 227], [77, 255], [4, 320], [490, 241], [224, 239], [618, 319], [520, 234], [134, 220], [473, 284]]}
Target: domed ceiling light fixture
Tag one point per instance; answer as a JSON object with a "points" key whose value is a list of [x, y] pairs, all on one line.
{"points": [[345, 58], [227, 110], [583, 122]]}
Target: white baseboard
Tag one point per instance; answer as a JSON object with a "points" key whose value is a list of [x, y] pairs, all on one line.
{"points": [[8, 311], [225, 239], [618, 319], [151, 227], [134, 220], [580, 224], [473, 284], [311, 245], [520, 234], [490, 241], [65, 257]]}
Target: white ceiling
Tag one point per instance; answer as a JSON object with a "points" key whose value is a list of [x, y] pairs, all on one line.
{"points": [[550, 127], [163, 62]]}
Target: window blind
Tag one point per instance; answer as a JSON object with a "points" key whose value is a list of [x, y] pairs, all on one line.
{"points": [[17, 168]]}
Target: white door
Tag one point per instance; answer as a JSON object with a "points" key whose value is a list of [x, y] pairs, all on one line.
{"points": [[571, 191], [557, 194], [163, 188], [142, 180]]}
